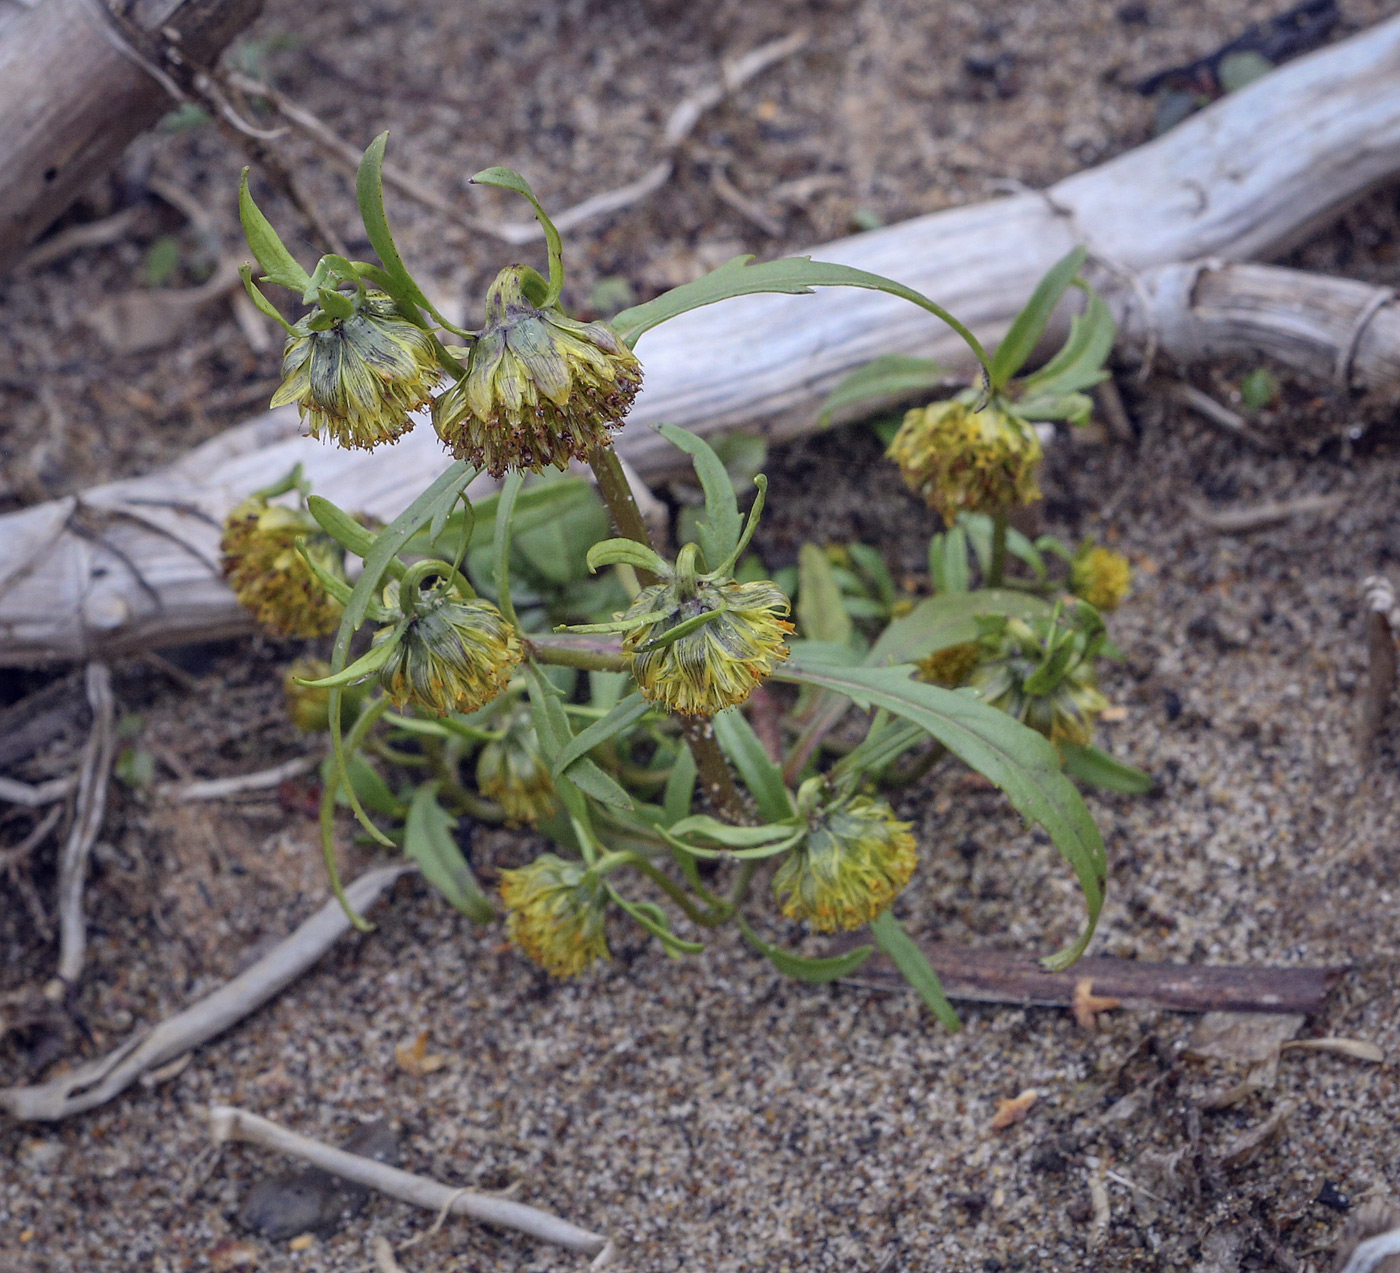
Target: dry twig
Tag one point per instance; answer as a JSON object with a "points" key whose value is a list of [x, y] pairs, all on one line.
{"points": [[221, 788], [36, 795], [228, 1123], [1239, 521], [1231, 421], [98, 1081]]}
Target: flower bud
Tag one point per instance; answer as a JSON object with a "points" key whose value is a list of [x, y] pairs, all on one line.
{"points": [[358, 380], [455, 655], [966, 461], [511, 772], [1100, 576], [855, 858], [269, 576], [718, 664], [951, 666], [1054, 690], [540, 388], [556, 913]]}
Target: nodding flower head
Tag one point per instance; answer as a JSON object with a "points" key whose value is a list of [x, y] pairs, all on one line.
{"points": [[540, 388], [855, 858], [1100, 576], [556, 914], [357, 379], [511, 771], [271, 578], [966, 461], [741, 634], [951, 666], [454, 653], [1041, 671]]}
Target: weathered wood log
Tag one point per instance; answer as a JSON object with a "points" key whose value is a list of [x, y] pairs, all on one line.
{"points": [[134, 563], [73, 93]]}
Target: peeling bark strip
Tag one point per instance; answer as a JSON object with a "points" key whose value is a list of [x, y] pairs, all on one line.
{"points": [[1005, 976], [133, 564]]}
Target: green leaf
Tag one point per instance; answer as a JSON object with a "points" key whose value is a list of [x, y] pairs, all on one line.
{"points": [[1093, 765], [948, 565], [888, 378], [260, 302], [362, 668], [680, 786], [622, 717], [950, 618], [506, 179], [1029, 325], [1074, 407], [371, 788], [428, 840], [612, 552], [1080, 361], [653, 919], [729, 835], [369, 194], [816, 971], [505, 512], [336, 304], [913, 963], [793, 275], [761, 776], [555, 735], [346, 531], [719, 535], [821, 613], [872, 565], [279, 266], [1017, 759]]}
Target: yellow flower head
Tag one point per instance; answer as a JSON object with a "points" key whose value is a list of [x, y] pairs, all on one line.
{"points": [[540, 388], [358, 380], [951, 666], [455, 655], [717, 664], [1021, 675], [556, 914], [855, 858], [308, 706], [966, 461], [511, 772], [269, 576], [1101, 576]]}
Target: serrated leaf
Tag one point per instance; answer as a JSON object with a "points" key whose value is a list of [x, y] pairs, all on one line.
{"points": [[719, 533], [800, 967], [905, 954], [622, 717], [279, 266], [1029, 325], [821, 612], [1017, 759], [428, 840], [892, 376], [1094, 765], [761, 776]]}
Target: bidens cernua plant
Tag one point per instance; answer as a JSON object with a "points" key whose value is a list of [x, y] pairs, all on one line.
{"points": [[523, 663]]}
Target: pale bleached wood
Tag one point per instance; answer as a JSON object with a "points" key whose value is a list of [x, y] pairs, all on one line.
{"points": [[72, 95], [133, 563]]}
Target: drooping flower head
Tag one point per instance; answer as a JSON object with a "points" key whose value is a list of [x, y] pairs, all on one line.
{"points": [[1100, 576], [716, 664], [308, 706], [556, 914], [357, 379], [511, 771], [271, 578], [540, 389], [454, 654], [966, 461], [855, 858], [1041, 672], [951, 666]]}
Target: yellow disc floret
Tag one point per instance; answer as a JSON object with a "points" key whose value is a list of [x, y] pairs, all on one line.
{"points": [[1100, 576], [270, 577], [556, 914]]}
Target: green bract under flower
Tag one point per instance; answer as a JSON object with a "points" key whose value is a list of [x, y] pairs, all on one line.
{"points": [[511, 772], [1101, 576], [556, 914], [358, 381], [541, 388], [456, 654], [855, 858], [270, 577], [718, 664], [966, 461]]}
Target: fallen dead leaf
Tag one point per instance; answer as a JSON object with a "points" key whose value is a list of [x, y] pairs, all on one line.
{"points": [[413, 1058], [231, 1255], [1014, 1109], [1356, 1049], [1086, 1005]]}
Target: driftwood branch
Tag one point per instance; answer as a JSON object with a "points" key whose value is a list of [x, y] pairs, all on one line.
{"points": [[133, 564], [99, 1081], [76, 86], [229, 1123]]}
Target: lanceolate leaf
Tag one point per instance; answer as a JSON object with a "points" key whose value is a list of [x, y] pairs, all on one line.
{"points": [[719, 532], [1026, 331], [914, 964], [279, 265], [1093, 765], [893, 377], [369, 192], [801, 968], [761, 776], [1022, 763], [506, 179], [948, 619], [622, 717], [821, 612], [428, 840], [794, 275], [1079, 364]]}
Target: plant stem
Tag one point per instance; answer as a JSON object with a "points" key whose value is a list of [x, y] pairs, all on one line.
{"points": [[586, 654], [997, 568], [622, 504]]}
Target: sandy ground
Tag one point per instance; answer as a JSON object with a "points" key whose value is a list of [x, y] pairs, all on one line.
{"points": [[707, 1114]]}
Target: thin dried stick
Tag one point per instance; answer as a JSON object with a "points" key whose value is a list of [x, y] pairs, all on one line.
{"points": [[11, 860], [1238, 521], [1231, 421], [98, 1081], [220, 788], [229, 1123], [92, 805], [1382, 623], [36, 795]]}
